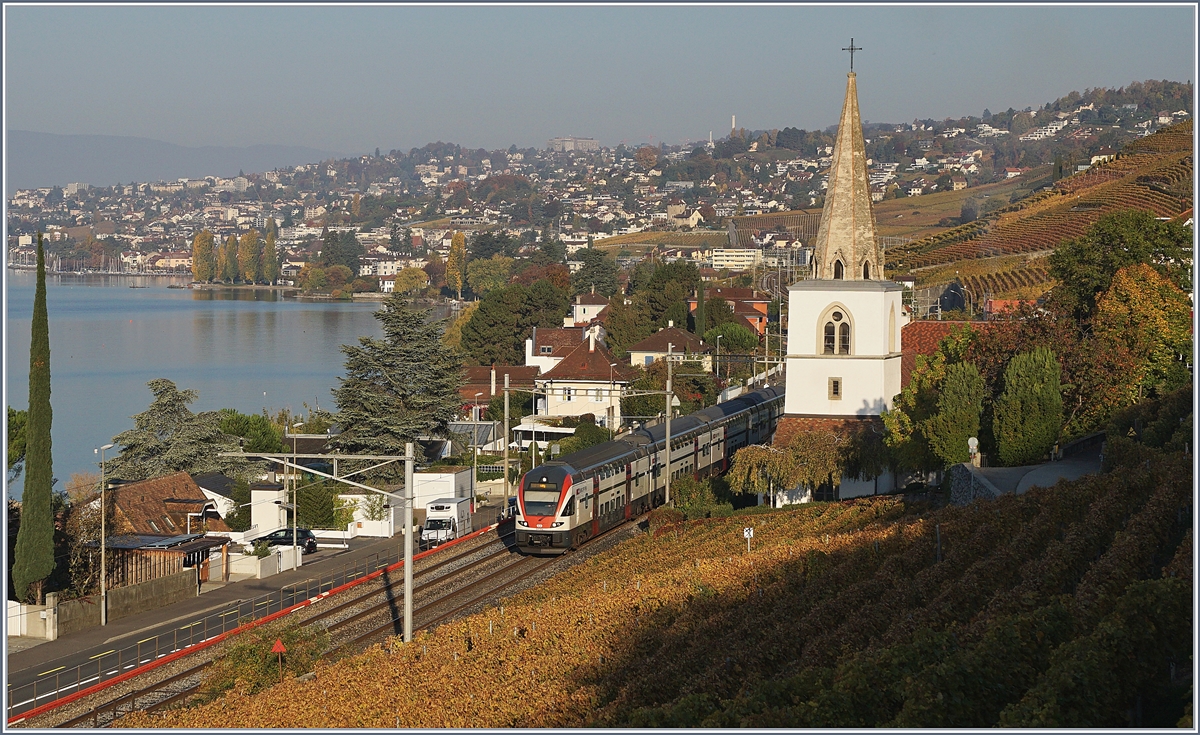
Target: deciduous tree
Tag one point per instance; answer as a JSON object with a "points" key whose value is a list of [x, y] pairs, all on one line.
{"points": [[250, 257], [456, 264], [1085, 266], [488, 275], [409, 280], [204, 259], [1151, 317]]}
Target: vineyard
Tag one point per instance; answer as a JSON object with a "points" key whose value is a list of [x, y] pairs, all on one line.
{"points": [[1068, 606], [1027, 281], [1154, 174]]}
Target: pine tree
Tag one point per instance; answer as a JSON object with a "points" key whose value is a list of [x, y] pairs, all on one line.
{"points": [[203, 260], [456, 263], [167, 437], [397, 388], [249, 257], [1028, 413], [33, 557]]}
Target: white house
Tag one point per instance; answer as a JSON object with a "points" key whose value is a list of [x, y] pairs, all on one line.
{"points": [[588, 380]]}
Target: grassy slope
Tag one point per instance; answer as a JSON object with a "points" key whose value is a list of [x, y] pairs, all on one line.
{"points": [[841, 615]]}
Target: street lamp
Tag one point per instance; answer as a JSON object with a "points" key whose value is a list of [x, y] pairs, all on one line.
{"points": [[103, 566], [718, 370]]}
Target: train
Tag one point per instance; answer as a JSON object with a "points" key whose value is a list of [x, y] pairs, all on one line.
{"points": [[564, 502]]}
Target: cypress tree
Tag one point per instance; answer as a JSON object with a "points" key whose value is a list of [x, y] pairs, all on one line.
{"points": [[698, 322], [1028, 413], [33, 558], [958, 409]]}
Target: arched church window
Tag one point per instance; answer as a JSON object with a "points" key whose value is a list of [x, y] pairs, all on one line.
{"points": [[866, 270], [838, 270], [829, 337], [844, 339]]}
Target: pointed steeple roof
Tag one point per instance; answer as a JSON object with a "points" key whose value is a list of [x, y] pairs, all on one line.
{"points": [[847, 231]]}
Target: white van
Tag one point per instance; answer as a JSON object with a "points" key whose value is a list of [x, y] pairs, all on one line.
{"points": [[446, 519]]}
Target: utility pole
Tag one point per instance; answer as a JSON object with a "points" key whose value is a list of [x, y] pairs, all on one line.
{"points": [[504, 508], [409, 497], [670, 395]]}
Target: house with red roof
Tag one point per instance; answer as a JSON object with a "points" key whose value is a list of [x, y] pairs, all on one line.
{"points": [[587, 380], [670, 340]]}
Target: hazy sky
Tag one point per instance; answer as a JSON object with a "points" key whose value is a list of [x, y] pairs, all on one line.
{"points": [[350, 79]]}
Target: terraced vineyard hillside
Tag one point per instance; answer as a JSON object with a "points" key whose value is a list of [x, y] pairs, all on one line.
{"points": [[1067, 606], [1153, 173]]}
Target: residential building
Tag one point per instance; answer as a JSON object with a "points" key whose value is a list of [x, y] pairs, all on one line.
{"points": [[588, 380], [671, 340]]}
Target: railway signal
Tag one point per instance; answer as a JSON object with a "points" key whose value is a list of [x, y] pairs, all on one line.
{"points": [[748, 532], [279, 649]]}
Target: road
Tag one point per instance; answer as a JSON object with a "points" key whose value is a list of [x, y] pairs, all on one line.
{"points": [[51, 670]]}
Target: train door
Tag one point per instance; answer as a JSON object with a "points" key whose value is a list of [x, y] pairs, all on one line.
{"points": [[596, 505], [628, 490]]}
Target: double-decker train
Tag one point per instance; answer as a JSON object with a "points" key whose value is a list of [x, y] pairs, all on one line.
{"points": [[564, 502]]}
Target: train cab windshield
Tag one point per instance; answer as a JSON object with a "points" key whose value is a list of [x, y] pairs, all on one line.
{"points": [[541, 498]]}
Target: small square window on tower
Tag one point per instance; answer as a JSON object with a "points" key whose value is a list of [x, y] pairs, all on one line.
{"points": [[835, 389]]}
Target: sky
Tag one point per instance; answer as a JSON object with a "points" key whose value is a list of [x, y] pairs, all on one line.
{"points": [[350, 79]]}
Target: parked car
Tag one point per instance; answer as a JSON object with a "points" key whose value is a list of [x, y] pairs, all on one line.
{"points": [[283, 537]]}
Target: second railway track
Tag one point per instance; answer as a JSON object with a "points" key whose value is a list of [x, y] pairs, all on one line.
{"points": [[444, 588]]}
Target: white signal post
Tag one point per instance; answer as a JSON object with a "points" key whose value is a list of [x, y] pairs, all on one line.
{"points": [[748, 532]]}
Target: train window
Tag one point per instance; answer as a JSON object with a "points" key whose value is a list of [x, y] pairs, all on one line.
{"points": [[569, 510], [540, 502]]}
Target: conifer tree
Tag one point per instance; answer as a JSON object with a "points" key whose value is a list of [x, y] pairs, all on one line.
{"points": [[249, 257], [959, 406], [456, 263], [1028, 413], [699, 326], [203, 258], [397, 388], [33, 557]]}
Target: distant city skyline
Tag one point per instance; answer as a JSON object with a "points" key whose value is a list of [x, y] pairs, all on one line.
{"points": [[353, 79]]}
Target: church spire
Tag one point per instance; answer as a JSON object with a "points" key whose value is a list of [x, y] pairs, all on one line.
{"points": [[845, 247]]}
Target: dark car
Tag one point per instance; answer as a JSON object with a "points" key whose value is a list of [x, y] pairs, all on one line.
{"points": [[283, 537]]}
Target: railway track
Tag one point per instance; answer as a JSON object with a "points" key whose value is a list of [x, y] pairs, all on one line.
{"points": [[449, 587]]}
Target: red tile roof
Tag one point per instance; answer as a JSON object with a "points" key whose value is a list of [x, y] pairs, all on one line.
{"points": [[479, 379], [584, 363], [591, 299], [922, 337], [790, 426], [561, 340], [683, 341], [163, 501]]}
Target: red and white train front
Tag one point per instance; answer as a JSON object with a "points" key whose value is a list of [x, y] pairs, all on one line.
{"points": [[546, 510]]}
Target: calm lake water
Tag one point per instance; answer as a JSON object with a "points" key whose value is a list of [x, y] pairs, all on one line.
{"points": [[243, 349]]}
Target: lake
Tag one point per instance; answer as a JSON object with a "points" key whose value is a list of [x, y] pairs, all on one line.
{"points": [[247, 349]]}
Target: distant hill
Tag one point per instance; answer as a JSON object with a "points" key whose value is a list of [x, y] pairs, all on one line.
{"points": [[1002, 253], [45, 159]]}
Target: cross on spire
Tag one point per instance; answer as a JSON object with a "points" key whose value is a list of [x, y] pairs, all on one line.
{"points": [[852, 48]]}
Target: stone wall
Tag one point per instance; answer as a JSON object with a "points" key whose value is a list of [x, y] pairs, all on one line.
{"points": [[967, 485], [79, 614]]}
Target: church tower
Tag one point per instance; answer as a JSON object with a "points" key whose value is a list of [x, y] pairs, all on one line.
{"points": [[844, 323], [845, 248]]}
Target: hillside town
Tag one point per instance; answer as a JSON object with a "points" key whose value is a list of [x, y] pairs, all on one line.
{"points": [[402, 206]]}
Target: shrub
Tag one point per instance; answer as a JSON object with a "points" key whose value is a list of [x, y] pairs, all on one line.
{"points": [[249, 665]]}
